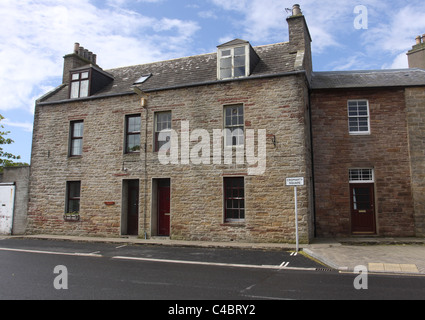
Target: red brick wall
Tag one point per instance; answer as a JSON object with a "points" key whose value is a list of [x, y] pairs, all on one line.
{"points": [[385, 150]]}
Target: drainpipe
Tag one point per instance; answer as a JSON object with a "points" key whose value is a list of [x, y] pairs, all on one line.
{"points": [[143, 103], [146, 170]]}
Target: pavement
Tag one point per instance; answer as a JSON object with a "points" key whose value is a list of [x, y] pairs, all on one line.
{"points": [[404, 256]]}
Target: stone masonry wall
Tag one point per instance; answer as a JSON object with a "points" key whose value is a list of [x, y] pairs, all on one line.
{"points": [[278, 105], [385, 149], [415, 101]]}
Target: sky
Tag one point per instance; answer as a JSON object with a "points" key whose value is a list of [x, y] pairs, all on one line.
{"points": [[36, 34]]}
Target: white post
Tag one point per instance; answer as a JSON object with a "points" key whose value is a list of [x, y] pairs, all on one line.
{"points": [[296, 219]]}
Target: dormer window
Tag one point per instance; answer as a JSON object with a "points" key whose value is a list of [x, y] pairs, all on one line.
{"points": [[88, 81], [233, 63], [80, 84], [236, 59]]}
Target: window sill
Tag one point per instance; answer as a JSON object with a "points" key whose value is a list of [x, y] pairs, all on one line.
{"points": [[71, 217], [235, 224], [359, 133]]}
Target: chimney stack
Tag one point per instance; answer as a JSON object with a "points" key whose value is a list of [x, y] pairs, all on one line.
{"points": [[300, 40], [416, 56], [78, 58]]}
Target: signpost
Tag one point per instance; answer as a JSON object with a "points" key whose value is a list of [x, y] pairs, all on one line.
{"points": [[295, 182]]}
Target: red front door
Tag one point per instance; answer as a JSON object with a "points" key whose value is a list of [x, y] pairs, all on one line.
{"points": [[363, 209], [164, 207]]}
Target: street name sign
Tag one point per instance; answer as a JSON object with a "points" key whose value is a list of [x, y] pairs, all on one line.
{"points": [[294, 182]]}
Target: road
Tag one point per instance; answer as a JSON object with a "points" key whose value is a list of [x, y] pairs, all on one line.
{"points": [[93, 271]]}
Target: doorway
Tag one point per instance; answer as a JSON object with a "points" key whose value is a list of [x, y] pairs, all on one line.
{"points": [[161, 204], [363, 219], [130, 213]]}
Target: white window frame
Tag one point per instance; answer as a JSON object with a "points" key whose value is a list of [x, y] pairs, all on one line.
{"points": [[361, 173], [166, 131], [358, 132], [232, 55], [231, 126]]}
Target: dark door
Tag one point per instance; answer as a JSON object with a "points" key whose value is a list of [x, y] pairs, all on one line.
{"points": [[362, 209], [163, 207], [133, 208]]}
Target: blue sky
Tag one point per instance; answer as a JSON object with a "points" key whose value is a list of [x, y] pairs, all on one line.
{"points": [[36, 34]]}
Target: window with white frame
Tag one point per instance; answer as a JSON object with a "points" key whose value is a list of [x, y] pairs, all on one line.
{"points": [[233, 62], [234, 125], [362, 175], [358, 117], [162, 130]]}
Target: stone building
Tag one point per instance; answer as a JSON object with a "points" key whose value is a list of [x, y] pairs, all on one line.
{"points": [[198, 148]]}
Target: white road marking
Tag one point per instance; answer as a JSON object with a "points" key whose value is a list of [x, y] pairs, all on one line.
{"points": [[284, 265], [54, 253], [251, 266]]}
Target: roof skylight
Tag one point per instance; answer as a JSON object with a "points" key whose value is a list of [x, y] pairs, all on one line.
{"points": [[143, 78]]}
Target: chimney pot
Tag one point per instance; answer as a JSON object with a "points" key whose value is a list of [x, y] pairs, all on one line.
{"points": [[296, 10], [418, 40], [76, 47], [81, 51]]}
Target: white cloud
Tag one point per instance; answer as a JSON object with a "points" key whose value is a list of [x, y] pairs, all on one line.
{"points": [[26, 126], [35, 35], [392, 27]]}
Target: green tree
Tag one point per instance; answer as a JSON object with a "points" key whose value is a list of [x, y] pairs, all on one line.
{"points": [[6, 158]]}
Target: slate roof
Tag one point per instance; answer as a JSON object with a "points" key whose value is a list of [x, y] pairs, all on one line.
{"points": [[368, 79], [275, 59]]}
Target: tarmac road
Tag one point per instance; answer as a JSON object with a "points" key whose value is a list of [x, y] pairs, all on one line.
{"points": [[97, 271]]}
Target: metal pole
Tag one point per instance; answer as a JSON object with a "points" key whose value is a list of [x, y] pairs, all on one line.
{"points": [[296, 218]]}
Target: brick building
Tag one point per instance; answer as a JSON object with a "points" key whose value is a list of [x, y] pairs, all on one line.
{"points": [[198, 148], [368, 152]]}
